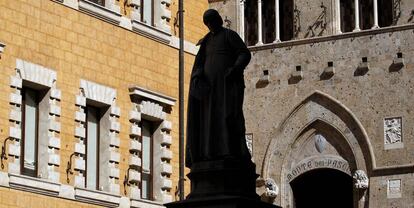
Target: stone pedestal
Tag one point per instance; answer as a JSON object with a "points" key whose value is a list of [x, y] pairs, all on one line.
{"points": [[222, 184]]}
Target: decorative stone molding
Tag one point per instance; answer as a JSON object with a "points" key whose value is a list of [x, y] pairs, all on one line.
{"points": [[361, 180], [110, 12], [153, 107], [109, 136], [35, 73], [97, 92], [49, 124], [393, 133]]}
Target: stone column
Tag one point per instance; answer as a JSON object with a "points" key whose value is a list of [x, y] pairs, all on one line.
{"points": [[376, 25], [338, 16], [241, 29], [356, 5], [277, 25], [260, 25]]}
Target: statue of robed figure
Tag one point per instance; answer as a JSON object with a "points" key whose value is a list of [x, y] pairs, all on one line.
{"points": [[222, 173], [215, 122]]}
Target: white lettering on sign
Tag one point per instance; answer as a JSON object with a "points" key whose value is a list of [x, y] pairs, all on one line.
{"points": [[317, 163]]}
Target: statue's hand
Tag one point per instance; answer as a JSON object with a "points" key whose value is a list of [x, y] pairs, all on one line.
{"points": [[199, 87]]}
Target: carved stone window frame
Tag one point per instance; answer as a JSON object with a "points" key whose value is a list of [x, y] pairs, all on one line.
{"points": [[154, 107], [109, 141], [2, 46], [160, 30], [49, 131]]}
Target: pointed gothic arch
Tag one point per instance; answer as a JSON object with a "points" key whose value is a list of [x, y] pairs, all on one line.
{"points": [[322, 113]]}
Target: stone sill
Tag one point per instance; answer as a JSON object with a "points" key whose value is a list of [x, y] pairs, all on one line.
{"points": [[332, 37], [145, 203], [140, 93], [100, 12], [97, 197], [68, 192], [34, 185], [151, 32]]}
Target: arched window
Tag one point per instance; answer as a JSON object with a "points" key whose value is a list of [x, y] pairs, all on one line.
{"points": [[286, 19], [251, 32], [347, 15]]}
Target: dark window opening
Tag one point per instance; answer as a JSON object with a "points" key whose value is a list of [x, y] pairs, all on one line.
{"points": [[92, 141], [30, 131], [147, 160], [286, 19], [100, 2], [269, 21], [385, 16], [366, 14], [347, 15], [251, 18]]}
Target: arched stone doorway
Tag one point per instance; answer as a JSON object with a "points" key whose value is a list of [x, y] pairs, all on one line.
{"points": [[323, 188], [319, 133]]}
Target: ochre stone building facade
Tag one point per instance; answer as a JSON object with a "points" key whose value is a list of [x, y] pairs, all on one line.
{"points": [[89, 110], [328, 103]]}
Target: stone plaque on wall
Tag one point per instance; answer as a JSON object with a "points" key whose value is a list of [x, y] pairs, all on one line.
{"points": [[393, 133], [394, 188]]}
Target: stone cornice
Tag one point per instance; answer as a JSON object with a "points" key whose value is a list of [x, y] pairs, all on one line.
{"points": [[141, 93], [331, 37]]}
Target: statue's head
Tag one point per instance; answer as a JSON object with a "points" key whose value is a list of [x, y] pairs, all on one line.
{"points": [[212, 20]]}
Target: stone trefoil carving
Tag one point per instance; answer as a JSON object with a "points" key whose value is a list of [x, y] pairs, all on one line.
{"points": [[392, 130], [361, 180]]}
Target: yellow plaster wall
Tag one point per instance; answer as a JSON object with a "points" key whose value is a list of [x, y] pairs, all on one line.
{"points": [[78, 46]]}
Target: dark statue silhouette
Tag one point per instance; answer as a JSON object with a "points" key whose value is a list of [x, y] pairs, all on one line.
{"points": [[222, 174], [215, 122]]}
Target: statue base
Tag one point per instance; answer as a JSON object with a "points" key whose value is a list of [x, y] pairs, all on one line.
{"points": [[222, 184]]}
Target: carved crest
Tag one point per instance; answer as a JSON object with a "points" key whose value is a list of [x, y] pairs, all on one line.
{"points": [[392, 130], [320, 143]]}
